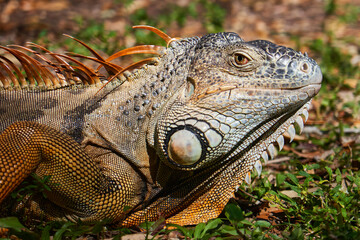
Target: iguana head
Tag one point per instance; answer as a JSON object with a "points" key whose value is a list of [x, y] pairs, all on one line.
{"points": [[236, 100], [234, 90]]}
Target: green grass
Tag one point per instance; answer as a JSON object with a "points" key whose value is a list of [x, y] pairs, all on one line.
{"points": [[90, 32]]}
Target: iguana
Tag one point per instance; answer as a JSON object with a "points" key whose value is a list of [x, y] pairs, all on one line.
{"points": [[170, 137]]}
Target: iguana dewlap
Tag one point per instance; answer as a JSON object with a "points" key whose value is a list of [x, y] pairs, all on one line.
{"points": [[171, 136]]}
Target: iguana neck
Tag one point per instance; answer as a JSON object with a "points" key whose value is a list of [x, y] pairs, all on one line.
{"points": [[127, 115]]}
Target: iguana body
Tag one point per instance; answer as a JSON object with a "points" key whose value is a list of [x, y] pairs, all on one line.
{"points": [[172, 139]]}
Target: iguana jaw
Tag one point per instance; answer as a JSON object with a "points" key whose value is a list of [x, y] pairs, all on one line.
{"points": [[236, 169], [265, 145]]}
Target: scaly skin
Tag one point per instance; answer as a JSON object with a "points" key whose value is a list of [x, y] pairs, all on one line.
{"points": [[172, 139]]}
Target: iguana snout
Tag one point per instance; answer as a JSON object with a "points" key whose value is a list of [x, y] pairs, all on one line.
{"points": [[286, 68]]}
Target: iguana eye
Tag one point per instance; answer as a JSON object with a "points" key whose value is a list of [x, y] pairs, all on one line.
{"points": [[240, 59]]}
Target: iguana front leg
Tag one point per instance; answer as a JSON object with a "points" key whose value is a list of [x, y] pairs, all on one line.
{"points": [[78, 185]]}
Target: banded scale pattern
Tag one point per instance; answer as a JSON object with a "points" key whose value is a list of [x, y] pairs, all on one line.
{"points": [[81, 184]]}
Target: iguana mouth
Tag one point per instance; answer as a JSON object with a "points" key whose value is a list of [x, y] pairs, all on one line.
{"points": [[312, 89], [316, 86]]}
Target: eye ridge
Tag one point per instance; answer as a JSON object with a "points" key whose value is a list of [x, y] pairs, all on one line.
{"points": [[241, 59]]}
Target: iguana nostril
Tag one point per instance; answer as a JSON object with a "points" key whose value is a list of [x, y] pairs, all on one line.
{"points": [[305, 68], [184, 147]]}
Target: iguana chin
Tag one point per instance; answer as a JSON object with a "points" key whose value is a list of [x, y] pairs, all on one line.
{"points": [[168, 137]]}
